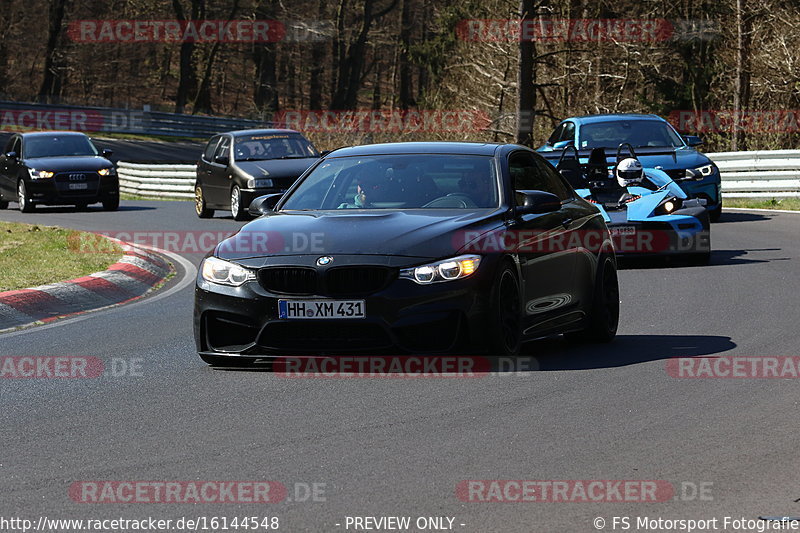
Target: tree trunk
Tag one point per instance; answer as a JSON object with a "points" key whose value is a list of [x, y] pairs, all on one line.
{"points": [[317, 67], [187, 82], [526, 82], [406, 90], [741, 92], [54, 69]]}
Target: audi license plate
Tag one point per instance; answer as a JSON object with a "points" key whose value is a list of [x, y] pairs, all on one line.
{"points": [[310, 309], [78, 186]]}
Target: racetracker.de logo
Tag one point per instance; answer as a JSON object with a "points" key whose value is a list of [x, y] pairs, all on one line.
{"points": [[721, 121], [195, 242], [382, 367], [390, 121], [734, 367], [50, 367], [192, 31], [193, 492], [564, 491], [565, 30]]}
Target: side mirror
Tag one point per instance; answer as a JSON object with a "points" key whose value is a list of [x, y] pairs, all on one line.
{"points": [[560, 145], [11, 155], [693, 140], [536, 202], [222, 160], [325, 152], [264, 204], [107, 153]]}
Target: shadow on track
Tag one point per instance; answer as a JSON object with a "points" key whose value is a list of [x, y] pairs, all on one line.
{"points": [[558, 354], [44, 209], [739, 216]]}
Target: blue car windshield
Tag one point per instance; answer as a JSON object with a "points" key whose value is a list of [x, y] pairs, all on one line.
{"points": [[639, 133], [58, 146], [405, 181]]}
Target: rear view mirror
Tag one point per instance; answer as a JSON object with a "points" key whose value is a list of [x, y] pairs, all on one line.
{"points": [[264, 204]]}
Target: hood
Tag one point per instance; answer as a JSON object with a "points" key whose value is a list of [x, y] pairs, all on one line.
{"points": [[427, 234], [68, 163], [275, 168]]}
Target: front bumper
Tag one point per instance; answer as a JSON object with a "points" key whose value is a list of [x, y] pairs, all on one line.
{"points": [[60, 190], [404, 317]]}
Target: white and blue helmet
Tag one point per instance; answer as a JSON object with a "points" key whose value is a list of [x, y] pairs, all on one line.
{"points": [[629, 172]]}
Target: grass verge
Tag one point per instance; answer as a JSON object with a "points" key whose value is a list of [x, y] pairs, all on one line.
{"points": [[792, 204], [32, 255]]}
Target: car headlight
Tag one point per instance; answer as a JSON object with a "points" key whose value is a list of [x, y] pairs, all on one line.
{"points": [[261, 183], [40, 174], [444, 270], [668, 206], [704, 171], [223, 272], [106, 171]]}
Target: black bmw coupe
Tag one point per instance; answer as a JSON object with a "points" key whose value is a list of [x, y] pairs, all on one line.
{"points": [[412, 248]]}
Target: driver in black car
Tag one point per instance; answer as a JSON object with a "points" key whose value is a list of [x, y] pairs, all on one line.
{"points": [[478, 187]]}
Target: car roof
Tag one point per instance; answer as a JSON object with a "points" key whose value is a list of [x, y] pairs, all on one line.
{"points": [[437, 147], [608, 117], [242, 133], [54, 133]]}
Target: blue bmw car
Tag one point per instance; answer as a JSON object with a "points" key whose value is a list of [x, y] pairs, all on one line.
{"points": [[658, 146]]}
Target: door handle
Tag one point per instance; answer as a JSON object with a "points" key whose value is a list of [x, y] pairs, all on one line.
{"points": [[566, 222]]}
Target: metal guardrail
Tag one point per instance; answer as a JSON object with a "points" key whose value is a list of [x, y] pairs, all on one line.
{"points": [[17, 116], [773, 173], [759, 174], [157, 181]]}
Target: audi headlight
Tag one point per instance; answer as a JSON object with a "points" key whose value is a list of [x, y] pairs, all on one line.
{"points": [[106, 171], [223, 272], [40, 174], [444, 270]]}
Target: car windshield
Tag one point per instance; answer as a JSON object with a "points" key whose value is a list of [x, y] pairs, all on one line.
{"points": [[639, 133], [272, 146], [407, 181], [58, 146]]}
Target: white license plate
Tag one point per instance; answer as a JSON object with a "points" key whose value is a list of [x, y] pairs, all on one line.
{"points": [[623, 230], [78, 186], [311, 309]]}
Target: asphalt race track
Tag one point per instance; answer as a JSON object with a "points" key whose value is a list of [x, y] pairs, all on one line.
{"points": [[400, 447]]}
